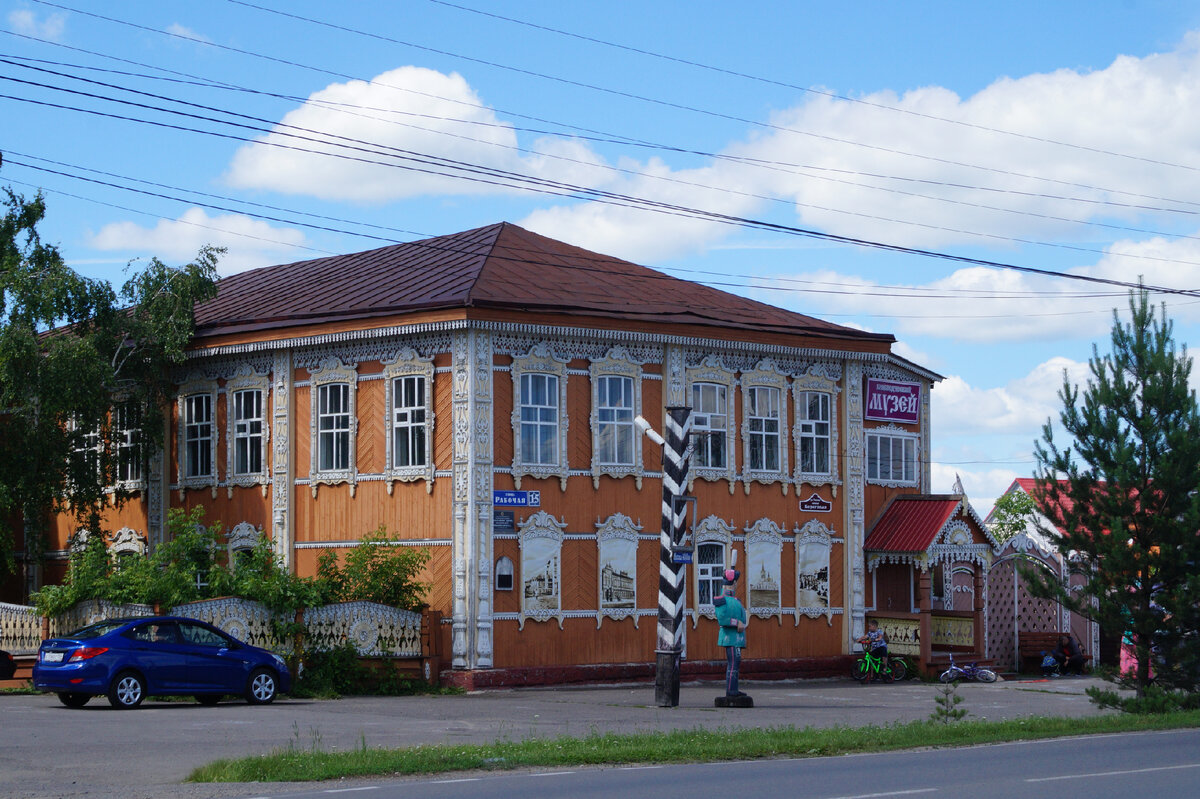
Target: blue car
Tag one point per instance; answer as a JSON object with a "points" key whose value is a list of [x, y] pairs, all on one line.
{"points": [[130, 659]]}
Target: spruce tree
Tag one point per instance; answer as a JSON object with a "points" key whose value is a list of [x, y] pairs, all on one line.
{"points": [[1125, 495]]}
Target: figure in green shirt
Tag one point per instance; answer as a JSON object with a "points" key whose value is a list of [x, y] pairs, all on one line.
{"points": [[731, 615]]}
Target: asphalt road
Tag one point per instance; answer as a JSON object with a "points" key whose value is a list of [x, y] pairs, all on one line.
{"points": [[51, 751]]}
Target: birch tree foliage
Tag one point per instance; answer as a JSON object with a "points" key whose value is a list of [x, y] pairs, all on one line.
{"points": [[72, 351]]}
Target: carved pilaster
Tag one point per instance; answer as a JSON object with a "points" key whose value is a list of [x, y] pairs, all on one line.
{"points": [[482, 485], [281, 457], [855, 503], [674, 377], [926, 445], [461, 464]]}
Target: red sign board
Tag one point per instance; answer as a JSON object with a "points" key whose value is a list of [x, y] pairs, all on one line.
{"points": [[893, 401]]}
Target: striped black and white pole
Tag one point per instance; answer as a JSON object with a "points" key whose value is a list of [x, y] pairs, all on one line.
{"points": [[671, 583]]}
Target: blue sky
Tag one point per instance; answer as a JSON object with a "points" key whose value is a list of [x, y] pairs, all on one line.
{"points": [[1062, 137]]}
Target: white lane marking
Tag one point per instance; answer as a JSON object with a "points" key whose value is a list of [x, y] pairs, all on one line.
{"points": [[637, 768], [348, 790], [887, 793], [447, 782], [1112, 773], [551, 773]]}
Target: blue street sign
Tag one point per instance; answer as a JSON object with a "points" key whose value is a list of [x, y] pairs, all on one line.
{"points": [[682, 556], [517, 499]]}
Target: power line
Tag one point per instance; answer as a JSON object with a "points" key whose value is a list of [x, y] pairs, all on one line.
{"points": [[755, 123], [805, 89], [505, 177]]}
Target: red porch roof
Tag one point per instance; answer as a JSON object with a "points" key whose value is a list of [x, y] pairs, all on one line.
{"points": [[911, 522]]}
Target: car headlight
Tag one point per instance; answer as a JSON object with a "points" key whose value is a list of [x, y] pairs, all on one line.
{"points": [[280, 662]]}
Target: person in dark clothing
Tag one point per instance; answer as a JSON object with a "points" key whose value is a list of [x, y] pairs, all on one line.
{"points": [[1070, 659]]}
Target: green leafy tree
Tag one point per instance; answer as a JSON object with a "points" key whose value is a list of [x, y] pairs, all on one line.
{"points": [[72, 350], [1128, 503], [1013, 514], [380, 569]]}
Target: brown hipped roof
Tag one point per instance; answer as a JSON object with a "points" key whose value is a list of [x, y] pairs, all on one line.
{"points": [[500, 267]]}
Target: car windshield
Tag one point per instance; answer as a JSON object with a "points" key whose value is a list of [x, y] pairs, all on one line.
{"points": [[97, 630]]}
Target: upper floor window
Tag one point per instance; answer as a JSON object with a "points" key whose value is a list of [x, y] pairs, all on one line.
{"points": [[615, 412], [248, 426], [198, 435], [891, 457], [539, 419], [764, 423], [814, 426], [408, 419], [333, 427], [409, 447], [127, 423], [710, 425], [616, 401]]}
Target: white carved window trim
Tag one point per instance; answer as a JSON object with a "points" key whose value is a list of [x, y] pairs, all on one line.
{"points": [[712, 371], [545, 531], [816, 383], [710, 530], [127, 541], [331, 371], [247, 379], [616, 363], [242, 538], [765, 375], [620, 530], [196, 387], [764, 545], [127, 443], [892, 432], [408, 363], [541, 360], [814, 532]]}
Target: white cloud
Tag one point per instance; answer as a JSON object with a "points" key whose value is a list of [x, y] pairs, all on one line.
{"points": [[175, 29], [982, 487], [411, 126], [251, 243], [1022, 405], [1029, 189], [26, 22]]}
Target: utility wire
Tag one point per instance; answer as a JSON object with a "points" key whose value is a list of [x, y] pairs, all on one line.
{"points": [[805, 89], [755, 123], [520, 180]]}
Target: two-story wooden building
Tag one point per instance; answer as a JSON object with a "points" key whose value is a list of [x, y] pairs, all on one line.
{"points": [[476, 394]]}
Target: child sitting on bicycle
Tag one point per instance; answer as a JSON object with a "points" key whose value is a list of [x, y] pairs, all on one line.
{"points": [[876, 642]]}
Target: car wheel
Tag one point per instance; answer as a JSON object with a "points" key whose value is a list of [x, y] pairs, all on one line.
{"points": [[74, 700], [261, 687], [127, 691], [208, 700]]}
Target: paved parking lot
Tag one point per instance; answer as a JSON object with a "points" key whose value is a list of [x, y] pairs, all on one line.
{"points": [[51, 751]]}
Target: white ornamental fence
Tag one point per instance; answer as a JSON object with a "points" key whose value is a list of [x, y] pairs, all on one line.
{"points": [[375, 630]]}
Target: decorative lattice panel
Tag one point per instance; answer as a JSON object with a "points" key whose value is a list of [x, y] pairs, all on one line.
{"points": [[20, 629], [245, 620], [375, 630]]}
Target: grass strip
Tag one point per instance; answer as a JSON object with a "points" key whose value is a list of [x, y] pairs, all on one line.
{"points": [[294, 764]]}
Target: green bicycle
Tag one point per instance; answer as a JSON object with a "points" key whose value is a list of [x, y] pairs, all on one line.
{"points": [[869, 667]]}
